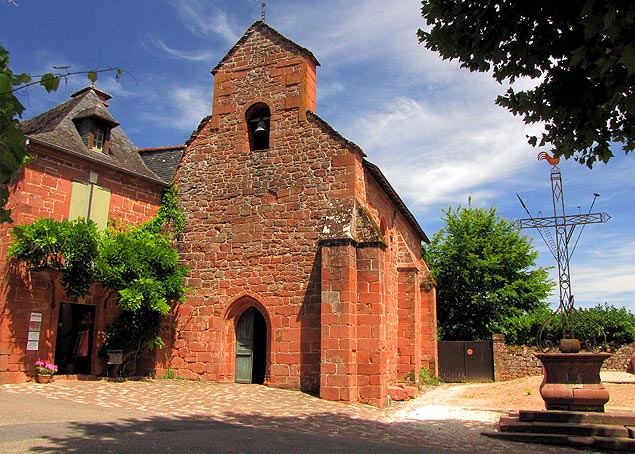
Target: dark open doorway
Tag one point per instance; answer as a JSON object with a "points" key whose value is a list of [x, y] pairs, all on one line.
{"points": [[251, 347], [74, 343]]}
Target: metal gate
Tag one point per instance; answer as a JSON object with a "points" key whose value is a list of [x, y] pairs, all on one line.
{"points": [[466, 361]]}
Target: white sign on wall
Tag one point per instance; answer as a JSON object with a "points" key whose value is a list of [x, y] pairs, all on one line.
{"points": [[35, 324]]}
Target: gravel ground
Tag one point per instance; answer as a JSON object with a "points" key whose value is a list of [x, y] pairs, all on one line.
{"points": [[487, 401]]}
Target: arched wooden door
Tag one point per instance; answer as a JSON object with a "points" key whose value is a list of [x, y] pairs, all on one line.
{"points": [[251, 339]]}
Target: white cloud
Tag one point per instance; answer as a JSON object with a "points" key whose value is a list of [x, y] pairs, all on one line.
{"points": [[440, 152], [191, 55], [606, 274], [181, 108], [207, 20]]}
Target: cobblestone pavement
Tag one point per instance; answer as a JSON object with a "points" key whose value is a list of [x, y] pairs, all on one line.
{"points": [[283, 410]]}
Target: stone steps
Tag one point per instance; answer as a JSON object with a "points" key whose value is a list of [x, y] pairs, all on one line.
{"points": [[614, 417], [512, 424], [402, 391], [591, 430]]}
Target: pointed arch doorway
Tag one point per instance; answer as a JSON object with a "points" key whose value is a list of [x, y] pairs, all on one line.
{"points": [[251, 347]]}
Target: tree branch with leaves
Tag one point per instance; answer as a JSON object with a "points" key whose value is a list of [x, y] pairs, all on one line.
{"points": [[581, 55]]}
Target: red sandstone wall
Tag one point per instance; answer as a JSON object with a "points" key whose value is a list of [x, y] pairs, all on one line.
{"points": [[253, 219], [43, 189], [411, 323], [252, 226]]}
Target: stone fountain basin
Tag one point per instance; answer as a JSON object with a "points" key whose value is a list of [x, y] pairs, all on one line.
{"points": [[571, 381]]}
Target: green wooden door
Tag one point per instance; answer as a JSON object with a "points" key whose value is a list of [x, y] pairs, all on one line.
{"points": [[245, 346]]}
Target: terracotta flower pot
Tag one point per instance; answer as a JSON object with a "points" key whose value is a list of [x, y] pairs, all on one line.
{"points": [[44, 378]]}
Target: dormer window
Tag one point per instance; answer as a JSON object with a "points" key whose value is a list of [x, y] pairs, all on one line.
{"points": [[258, 124], [94, 126]]}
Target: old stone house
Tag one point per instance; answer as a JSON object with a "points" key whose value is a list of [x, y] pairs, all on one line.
{"points": [[82, 165], [306, 266]]}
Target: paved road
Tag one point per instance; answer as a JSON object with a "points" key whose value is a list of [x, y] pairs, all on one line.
{"points": [[183, 416]]}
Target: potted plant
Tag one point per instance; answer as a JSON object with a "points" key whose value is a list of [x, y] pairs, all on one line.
{"points": [[44, 371]]}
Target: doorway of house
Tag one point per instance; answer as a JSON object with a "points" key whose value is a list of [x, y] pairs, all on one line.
{"points": [[251, 347], [74, 342]]}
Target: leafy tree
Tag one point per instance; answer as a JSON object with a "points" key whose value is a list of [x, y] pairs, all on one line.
{"points": [[12, 153], [483, 269], [581, 54], [143, 268]]}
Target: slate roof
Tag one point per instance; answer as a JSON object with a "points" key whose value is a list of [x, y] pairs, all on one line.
{"points": [[56, 129], [163, 161]]}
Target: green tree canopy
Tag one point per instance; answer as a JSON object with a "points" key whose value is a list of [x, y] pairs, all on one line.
{"points": [[12, 154], [484, 273], [581, 54]]}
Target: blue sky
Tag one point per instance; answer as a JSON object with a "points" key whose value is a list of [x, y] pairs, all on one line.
{"points": [[431, 127]]}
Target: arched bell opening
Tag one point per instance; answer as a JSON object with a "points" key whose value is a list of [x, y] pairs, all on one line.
{"points": [[258, 126]]}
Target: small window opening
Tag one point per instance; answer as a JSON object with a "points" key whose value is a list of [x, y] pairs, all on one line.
{"points": [[258, 123], [98, 138]]}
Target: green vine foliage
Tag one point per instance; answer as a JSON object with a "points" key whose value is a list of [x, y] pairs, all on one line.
{"points": [[66, 246], [169, 219], [143, 268]]}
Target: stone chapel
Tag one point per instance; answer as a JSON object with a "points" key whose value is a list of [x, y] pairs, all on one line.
{"points": [[306, 266]]}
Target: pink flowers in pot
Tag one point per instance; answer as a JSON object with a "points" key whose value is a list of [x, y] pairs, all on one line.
{"points": [[44, 367]]}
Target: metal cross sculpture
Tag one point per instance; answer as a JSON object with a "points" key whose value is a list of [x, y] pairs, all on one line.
{"points": [[564, 225]]}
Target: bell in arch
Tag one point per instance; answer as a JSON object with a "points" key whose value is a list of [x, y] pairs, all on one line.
{"points": [[261, 128]]}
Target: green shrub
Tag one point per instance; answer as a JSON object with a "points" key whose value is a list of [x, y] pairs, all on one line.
{"points": [[617, 324], [427, 378]]}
